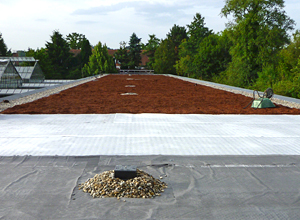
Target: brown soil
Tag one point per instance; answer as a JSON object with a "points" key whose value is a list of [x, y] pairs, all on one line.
{"points": [[156, 94]]}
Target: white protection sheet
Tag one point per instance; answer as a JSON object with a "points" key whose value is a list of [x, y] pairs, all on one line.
{"points": [[149, 134]]}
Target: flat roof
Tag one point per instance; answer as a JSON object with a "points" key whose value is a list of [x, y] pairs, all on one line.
{"points": [[216, 166]]}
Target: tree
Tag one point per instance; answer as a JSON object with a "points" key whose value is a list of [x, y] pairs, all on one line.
{"points": [[78, 61], [150, 48], [42, 56], [212, 56], [100, 62], [188, 48], [3, 47], [166, 54], [184, 64], [75, 40], [135, 49], [86, 51], [258, 32], [284, 75], [289, 58], [176, 35], [122, 55], [59, 54], [197, 32], [165, 58]]}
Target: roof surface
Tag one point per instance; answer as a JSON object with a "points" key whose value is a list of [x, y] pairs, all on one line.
{"points": [[216, 166], [149, 134]]}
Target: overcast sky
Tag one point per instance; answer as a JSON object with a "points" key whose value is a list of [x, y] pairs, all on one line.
{"points": [[30, 23]]}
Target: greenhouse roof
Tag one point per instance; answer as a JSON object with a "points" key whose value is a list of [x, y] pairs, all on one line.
{"points": [[28, 73], [25, 71], [2, 67], [4, 63], [9, 76], [20, 59]]}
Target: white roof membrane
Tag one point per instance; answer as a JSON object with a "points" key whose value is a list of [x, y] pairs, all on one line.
{"points": [[149, 134]]}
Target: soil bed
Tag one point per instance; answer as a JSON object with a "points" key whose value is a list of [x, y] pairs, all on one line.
{"points": [[155, 94]]}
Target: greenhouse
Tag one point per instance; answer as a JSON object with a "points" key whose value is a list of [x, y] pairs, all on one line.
{"points": [[29, 69], [9, 76]]}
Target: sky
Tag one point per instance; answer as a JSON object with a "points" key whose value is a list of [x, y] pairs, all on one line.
{"points": [[30, 23]]}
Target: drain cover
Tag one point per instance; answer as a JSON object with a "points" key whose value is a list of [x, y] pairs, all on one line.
{"points": [[130, 86], [125, 172], [129, 93]]}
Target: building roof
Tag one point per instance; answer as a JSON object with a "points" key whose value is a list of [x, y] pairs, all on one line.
{"points": [[75, 52], [19, 59], [216, 166], [111, 52]]}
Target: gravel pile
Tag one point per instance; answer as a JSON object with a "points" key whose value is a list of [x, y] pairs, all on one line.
{"points": [[32, 97], [105, 185]]}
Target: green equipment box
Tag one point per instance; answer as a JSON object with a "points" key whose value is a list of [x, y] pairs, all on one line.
{"points": [[262, 103]]}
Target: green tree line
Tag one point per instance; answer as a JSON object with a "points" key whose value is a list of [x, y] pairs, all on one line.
{"points": [[254, 51], [65, 58], [69, 57]]}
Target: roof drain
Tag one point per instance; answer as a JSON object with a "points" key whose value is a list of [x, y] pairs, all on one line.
{"points": [[129, 93], [125, 172]]}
